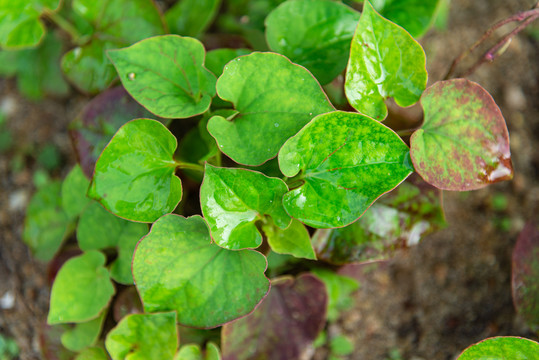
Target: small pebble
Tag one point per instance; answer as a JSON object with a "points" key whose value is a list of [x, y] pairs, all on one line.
{"points": [[7, 301]]}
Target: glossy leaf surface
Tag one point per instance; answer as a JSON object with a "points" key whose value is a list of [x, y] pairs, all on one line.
{"points": [[193, 352], [166, 75], [83, 334], [144, 336], [283, 326], [501, 348], [232, 200], [98, 121], [415, 16], [397, 220], [81, 290], [274, 99], [176, 267], [525, 275], [116, 23], [46, 223], [74, 189], [191, 17], [294, 240], [463, 143], [345, 161], [315, 34], [385, 61], [134, 177]]}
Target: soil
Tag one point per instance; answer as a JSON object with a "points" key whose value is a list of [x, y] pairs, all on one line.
{"points": [[429, 302]]}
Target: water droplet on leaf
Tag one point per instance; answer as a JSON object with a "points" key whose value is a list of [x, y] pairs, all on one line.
{"points": [[276, 125], [131, 76]]}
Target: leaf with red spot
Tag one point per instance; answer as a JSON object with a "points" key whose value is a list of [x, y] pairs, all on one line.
{"points": [[463, 143], [283, 326]]}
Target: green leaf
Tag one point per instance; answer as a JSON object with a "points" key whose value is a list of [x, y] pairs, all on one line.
{"points": [[284, 326], [116, 23], [345, 161], [339, 289], [134, 177], [416, 16], [313, 33], [120, 269], [166, 75], [143, 337], [385, 61], [197, 146], [397, 220], [294, 240], [46, 224], [501, 348], [83, 334], [92, 353], [191, 17], [217, 59], [74, 189], [176, 267], [463, 143], [193, 352], [232, 200], [274, 99], [81, 290], [341, 345], [20, 26]]}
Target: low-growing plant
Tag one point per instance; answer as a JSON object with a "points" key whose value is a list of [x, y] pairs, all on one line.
{"points": [[262, 175]]}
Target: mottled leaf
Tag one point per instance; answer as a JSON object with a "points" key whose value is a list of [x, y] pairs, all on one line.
{"points": [[283, 326], [74, 189], [294, 240], [46, 223], [343, 162], [416, 16], [232, 200], [502, 348], [525, 277], [143, 337], [397, 220], [83, 334], [313, 33], [81, 290], [191, 17], [274, 99], [385, 61], [463, 143], [176, 267], [193, 352], [134, 177], [166, 75]]}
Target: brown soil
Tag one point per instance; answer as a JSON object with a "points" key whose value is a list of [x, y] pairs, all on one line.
{"points": [[431, 301]]}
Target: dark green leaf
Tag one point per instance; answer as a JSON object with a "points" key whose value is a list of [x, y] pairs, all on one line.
{"points": [[74, 189], [176, 267], [83, 334], [313, 33], [274, 99], [232, 200], [502, 348], [166, 74], [81, 290], [143, 337], [294, 240], [463, 143], [416, 16], [191, 17], [345, 161], [385, 61], [46, 224], [283, 326], [134, 177]]}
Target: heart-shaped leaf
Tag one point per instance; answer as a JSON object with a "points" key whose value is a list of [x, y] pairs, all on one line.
{"points": [[315, 34], [274, 99], [525, 277], [191, 17], [232, 200], [416, 16], [294, 240], [176, 267], [116, 23], [283, 326], [385, 61], [345, 161], [74, 189], [83, 334], [397, 220], [501, 348], [463, 143], [81, 290], [134, 176], [130, 338], [193, 352], [166, 75]]}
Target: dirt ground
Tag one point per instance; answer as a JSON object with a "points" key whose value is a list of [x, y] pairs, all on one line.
{"points": [[429, 302]]}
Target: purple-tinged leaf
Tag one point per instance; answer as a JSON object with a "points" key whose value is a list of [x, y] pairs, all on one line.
{"points": [[525, 279], [463, 143], [283, 326]]}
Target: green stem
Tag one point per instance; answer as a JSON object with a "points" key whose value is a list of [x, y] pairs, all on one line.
{"points": [[63, 24], [189, 166]]}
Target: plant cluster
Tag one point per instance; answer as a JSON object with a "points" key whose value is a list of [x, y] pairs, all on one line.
{"points": [[277, 161]]}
